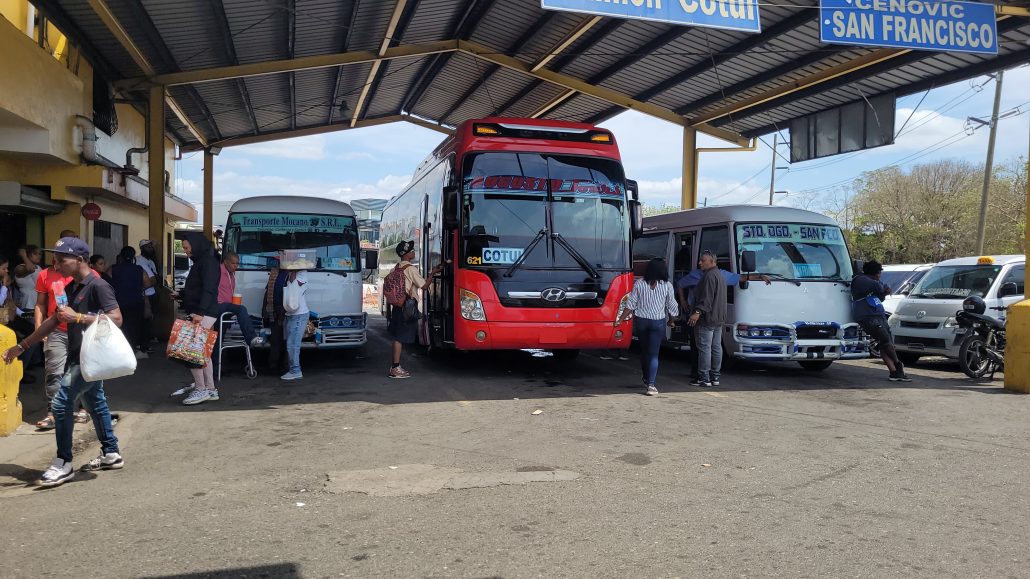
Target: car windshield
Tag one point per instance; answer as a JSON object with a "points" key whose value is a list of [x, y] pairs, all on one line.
{"points": [[508, 198], [894, 279], [956, 282], [258, 237], [796, 251]]}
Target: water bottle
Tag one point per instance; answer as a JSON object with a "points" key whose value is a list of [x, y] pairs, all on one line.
{"points": [[60, 298]]}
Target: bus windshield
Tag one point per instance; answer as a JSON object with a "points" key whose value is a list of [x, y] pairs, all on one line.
{"points": [[258, 237], [796, 251], [509, 198]]}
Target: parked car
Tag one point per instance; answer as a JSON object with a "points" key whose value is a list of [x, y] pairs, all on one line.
{"points": [[924, 322], [901, 278], [182, 269]]}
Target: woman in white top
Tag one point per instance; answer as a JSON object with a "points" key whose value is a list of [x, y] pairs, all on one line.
{"points": [[653, 303], [297, 313], [25, 275]]}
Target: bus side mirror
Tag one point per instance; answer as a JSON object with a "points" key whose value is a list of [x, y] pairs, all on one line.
{"points": [[636, 215], [450, 207], [371, 259], [748, 264], [1008, 289], [633, 190], [857, 265]]}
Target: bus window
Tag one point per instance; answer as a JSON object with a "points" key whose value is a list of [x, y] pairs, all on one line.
{"points": [[258, 237], [683, 261], [717, 240], [647, 248]]}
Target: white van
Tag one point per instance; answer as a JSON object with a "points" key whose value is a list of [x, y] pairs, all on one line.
{"points": [[259, 227], [803, 316], [924, 323], [901, 278]]}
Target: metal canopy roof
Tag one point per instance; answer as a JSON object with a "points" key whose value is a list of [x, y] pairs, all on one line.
{"points": [[241, 71]]}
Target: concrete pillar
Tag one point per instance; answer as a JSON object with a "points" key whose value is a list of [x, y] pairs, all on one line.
{"points": [[1017, 330], [209, 195], [156, 161], [689, 198]]}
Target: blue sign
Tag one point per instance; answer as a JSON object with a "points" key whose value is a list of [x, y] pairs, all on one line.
{"points": [[946, 26], [727, 14]]}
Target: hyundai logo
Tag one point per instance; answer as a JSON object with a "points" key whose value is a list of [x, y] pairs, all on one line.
{"points": [[553, 294]]}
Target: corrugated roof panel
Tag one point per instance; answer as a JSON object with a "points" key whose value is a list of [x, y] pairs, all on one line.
{"points": [[393, 87], [351, 79], [260, 31], [549, 36], [504, 24], [190, 32], [626, 40], [432, 20], [499, 87], [98, 35], [577, 108], [369, 26], [535, 99], [270, 96], [223, 101], [314, 89], [321, 26], [453, 80]]}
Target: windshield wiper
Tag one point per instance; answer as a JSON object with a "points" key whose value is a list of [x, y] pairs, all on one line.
{"points": [[781, 276], [525, 252], [576, 255]]}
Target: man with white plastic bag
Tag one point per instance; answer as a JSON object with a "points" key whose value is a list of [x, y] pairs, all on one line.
{"points": [[88, 297]]}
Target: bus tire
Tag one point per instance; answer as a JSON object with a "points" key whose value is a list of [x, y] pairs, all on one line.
{"points": [[816, 365], [565, 355]]}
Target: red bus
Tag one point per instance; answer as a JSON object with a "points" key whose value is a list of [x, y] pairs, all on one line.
{"points": [[533, 220]]}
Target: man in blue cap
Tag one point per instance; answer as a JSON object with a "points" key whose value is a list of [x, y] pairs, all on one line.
{"points": [[87, 297]]}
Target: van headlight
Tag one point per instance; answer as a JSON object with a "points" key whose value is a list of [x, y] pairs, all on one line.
{"points": [[472, 307], [852, 333], [951, 324], [622, 307]]}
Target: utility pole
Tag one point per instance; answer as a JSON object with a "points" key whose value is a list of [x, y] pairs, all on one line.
{"points": [[988, 167], [772, 172]]}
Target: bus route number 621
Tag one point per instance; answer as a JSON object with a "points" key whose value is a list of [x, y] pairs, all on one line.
{"points": [[475, 260]]}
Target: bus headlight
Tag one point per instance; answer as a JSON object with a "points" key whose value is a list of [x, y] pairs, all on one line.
{"points": [[622, 307], [852, 333], [472, 307]]}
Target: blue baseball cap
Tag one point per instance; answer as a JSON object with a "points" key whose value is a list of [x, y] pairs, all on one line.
{"points": [[71, 246]]}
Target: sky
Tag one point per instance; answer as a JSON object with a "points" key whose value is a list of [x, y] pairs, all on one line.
{"points": [[378, 161]]}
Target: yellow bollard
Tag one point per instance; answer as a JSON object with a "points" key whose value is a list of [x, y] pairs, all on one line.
{"points": [[10, 377], [1017, 347]]}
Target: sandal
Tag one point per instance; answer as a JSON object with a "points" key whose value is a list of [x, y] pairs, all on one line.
{"points": [[81, 417], [47, 423]]}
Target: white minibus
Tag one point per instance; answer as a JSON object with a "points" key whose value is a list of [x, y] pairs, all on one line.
{"points": [[259, 227], [804, 315]]}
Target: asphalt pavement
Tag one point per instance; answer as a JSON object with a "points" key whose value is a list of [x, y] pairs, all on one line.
{"points": [[509, 465]]}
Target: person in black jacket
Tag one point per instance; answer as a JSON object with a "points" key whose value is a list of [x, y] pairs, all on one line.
{"points": [[200, 300]]}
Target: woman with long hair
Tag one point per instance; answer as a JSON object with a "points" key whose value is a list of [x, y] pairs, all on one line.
{"points": [[653, 303]]}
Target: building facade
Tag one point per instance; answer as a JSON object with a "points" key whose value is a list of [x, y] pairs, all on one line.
{"points": [[369, 213]]}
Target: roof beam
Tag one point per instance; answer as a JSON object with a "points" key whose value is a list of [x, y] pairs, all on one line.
{"points": [[344, 46], [277, 66], [222, 21], [463, 28], [571, 37], [577, 85], [552, 104], [597, 36], [103, 11], [840, 70], [515, 48], [320, 130], [835, 77], [391, 29], [291, 44]]}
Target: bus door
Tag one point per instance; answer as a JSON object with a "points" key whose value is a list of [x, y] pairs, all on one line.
{"points": [[431, 248], [683, 262]]}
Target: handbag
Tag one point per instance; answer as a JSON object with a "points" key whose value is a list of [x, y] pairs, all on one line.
{"points": [[191, 343], [410, 310], [105, 353], [291, 297]]}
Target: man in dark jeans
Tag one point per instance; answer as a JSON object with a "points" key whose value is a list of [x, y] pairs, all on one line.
{"points": [[867, 294]]}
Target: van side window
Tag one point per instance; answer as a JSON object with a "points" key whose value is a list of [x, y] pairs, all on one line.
{"points": [[1015, 275], [647, 248], [717, 240]]}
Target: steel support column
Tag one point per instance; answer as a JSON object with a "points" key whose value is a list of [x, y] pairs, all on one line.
{"points": [[689, 196], [1017, 327], [156, 170], [209, 192]]}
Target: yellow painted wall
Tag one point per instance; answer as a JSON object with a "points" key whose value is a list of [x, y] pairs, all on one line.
{"points": [[17, 13], [41, 90]]}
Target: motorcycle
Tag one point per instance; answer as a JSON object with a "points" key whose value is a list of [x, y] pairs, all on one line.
{"points": [[982, 352]]}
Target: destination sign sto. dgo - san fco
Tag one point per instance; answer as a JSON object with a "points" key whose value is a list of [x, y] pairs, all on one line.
{"points": [[940, 25]]}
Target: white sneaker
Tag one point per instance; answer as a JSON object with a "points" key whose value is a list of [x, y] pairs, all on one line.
{"points": [[109, 461], [651, 390], [291, 376], [58, 473], [257, 341], [198, 396], [214, 396], [184, 390]]}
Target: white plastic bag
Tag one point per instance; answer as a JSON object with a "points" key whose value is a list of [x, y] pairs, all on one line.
{"points": [[105, 353], [291, 296]]}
